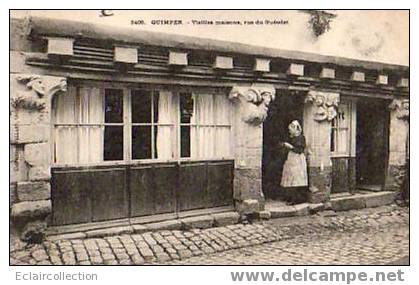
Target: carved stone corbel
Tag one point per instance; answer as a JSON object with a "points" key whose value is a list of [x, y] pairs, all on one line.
{"points": [[44, 88], [325, 104], [254, 100], [401, 107]]}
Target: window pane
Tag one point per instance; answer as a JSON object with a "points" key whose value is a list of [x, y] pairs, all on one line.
{"points": [[343, 141], [141, 142], [78, 144], [185, 138], [343, 115], [113, 105], [203, 142], [66, 148], [222, 109], [113, 143], [141, 106], [165, 142], [222, 142], [186, 107]]}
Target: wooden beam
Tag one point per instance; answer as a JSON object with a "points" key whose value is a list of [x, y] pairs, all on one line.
{"points": [[358, 76], [262, 65], [125, 55], [403, 82], [60, 46], [382, 79], [296, 69], [178, 58], [327, 73], [223, 62]]}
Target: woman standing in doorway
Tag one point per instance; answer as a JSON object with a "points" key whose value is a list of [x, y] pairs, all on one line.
{"points": [[294, 180]]}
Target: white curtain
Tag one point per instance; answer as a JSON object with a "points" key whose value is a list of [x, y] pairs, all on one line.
{"points": [[167, 115], [79, 144], [222, 107], [211, 138], [202, 135], [343, 132], [65, 139]]}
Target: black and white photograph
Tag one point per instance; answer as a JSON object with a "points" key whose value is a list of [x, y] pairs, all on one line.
{"points": [[209, 137]]}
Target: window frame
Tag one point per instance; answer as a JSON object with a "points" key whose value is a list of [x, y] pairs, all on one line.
{"points": [[214, 126], [128, 124]]}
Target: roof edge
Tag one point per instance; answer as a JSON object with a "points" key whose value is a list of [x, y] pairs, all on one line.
{"points": [[42, 26]]}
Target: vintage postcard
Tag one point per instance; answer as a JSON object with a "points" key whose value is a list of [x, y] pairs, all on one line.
{"points": [[209, 137]]}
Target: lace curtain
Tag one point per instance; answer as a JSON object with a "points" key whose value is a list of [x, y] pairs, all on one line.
{"points": [[74, 140], [167, 120], [210, 133]]}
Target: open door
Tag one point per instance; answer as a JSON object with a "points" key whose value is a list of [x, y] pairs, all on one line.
{"points": [[284, 109], [372, 143]]}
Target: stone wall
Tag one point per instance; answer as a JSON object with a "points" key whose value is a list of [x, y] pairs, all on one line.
{"points": [[398, 144], [30, 152]]}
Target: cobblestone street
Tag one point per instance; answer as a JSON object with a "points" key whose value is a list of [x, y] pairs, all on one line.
{"points": [[376, 246], [368, 236]]}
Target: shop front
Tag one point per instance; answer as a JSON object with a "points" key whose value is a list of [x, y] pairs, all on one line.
{"points": [[112, 125]]}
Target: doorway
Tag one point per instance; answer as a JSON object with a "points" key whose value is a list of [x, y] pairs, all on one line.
{"points": [[288, 106], [372, 143]]}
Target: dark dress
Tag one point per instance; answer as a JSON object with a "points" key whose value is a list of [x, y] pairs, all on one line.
{"points": [[294, 180]]}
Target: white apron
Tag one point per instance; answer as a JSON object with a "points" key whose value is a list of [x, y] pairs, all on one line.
{"points": [[294, 173]]}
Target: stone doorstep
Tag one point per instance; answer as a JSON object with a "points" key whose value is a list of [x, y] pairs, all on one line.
{"points": [[289, 211], [201, 222], [340, 202], [365, 200]]}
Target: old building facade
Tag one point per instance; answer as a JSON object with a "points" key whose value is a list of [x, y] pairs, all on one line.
{"points": [[115, 126]]}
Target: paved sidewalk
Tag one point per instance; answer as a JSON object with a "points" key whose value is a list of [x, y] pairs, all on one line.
{"points": [[354, 234]]}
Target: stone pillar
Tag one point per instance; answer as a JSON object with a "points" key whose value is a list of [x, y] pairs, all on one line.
{"points": [[398, 144], [30, 152], [319, 111], [251, 107]]}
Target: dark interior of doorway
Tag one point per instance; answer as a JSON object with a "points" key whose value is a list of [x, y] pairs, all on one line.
{"points": [[372, 136], [288, 106]]}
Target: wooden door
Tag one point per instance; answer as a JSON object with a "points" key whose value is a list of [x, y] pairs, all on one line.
{"points": [[372, 142], [81, 195]]}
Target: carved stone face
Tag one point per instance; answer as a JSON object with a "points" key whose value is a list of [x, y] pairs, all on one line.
{"points": [[319, 101], [325, 105], [401, 107], [255, 101], [404, 110]]}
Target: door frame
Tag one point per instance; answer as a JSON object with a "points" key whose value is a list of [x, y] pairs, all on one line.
{"points": [[386, 141]]}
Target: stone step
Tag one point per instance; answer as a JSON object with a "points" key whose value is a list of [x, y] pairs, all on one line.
{"points": [[339, 202], [186, 223], [289, 211], [359, 201]]}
